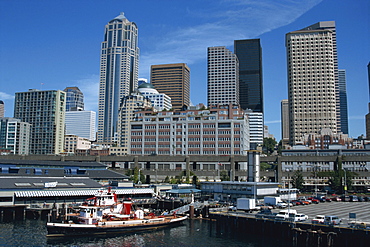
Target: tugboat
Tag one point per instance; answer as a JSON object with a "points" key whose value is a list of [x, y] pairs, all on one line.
{"points": [[103, 216]]}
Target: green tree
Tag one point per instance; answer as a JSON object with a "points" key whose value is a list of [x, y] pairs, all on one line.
{"points": [[134, 175], [166, 180], [269, 145], [297, 180], [224, 176], [264, 166]]}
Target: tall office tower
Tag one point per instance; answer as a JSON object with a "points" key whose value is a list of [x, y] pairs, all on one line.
{"points": [[2, 108], [343, 108], [75, 99], [223, 77], [160, 101], [129, 105], [249, 53], [285, 122], [312, 87], [15, 135], [173, 80], [119, 64], [367, 117], [45, 111], [81, 123]]}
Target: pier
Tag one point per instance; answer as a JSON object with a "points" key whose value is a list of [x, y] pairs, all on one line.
{"points": [[294, 234]]}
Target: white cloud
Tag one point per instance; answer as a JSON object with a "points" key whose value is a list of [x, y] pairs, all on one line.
{"points": [[189, 44], [5, 96], [89, 86]]}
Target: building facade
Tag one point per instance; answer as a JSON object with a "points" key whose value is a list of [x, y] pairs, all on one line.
{"points": [[256, 127], [129, 105], [249, 53], [160, 101], [15, 136], [2, 108], [312, 87], [119, 63], [174, 81], [220, 130], [45, 111], [343, 107], [223, 77], [81, 123], [74, 99], [76, 144], [285, 122]]}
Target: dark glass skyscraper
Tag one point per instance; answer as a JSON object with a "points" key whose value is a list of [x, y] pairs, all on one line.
{"points": [[249, 53], [75, 99], [343, 109]]}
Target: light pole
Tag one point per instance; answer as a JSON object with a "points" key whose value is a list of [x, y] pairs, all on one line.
{"points": [[345, 181], [287, 170], [316, 168]]}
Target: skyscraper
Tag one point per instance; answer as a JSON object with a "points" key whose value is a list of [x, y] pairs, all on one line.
{"points": [[173, 80], [285, 122], [223, 78], [249, 53], [15, 135], [75, 99], [343, 108], [2, 108], [81, 123], [119, 63], [45, 111], [312, 87]]}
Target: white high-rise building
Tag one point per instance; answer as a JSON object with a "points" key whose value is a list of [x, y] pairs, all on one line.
{"points": [[256, 127], [15, 136], [119, 64], [312, 70], [223, 76], [160, 101], [81, 123]]}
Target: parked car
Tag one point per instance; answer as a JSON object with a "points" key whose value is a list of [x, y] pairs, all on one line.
{"points": [[319, 219], [366, 198], [314, 200], [345, 198], [327, 199], [295, 203], [332, 220], [353, 198], [299, 217], [265, 213], [360, 199]]}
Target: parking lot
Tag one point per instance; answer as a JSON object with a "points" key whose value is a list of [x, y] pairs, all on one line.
{"points": [[340, 209]]}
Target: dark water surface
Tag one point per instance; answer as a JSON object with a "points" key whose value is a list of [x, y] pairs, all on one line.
{"points": [[192, 233]]}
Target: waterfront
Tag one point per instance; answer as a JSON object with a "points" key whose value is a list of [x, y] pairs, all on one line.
{"points": [[198, 232]]}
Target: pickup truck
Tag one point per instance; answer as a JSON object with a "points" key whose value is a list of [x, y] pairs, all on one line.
{"points": [[319, 219]]}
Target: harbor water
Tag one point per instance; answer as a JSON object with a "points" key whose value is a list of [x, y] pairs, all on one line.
{"points": [[197, 232]]}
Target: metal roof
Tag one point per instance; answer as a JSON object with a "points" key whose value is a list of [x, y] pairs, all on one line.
{"points": [[51, 193]]}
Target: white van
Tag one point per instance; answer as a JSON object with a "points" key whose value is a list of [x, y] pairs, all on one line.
{"points": [[285, 214]]}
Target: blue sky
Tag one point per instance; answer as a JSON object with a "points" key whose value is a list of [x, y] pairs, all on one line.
{"points": [[50, 44]]}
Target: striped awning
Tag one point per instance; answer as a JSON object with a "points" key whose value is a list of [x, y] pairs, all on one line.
{"points": [[54, 193]]}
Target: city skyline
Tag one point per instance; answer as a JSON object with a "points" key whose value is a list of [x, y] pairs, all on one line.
{"points": [[50, 59]]}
